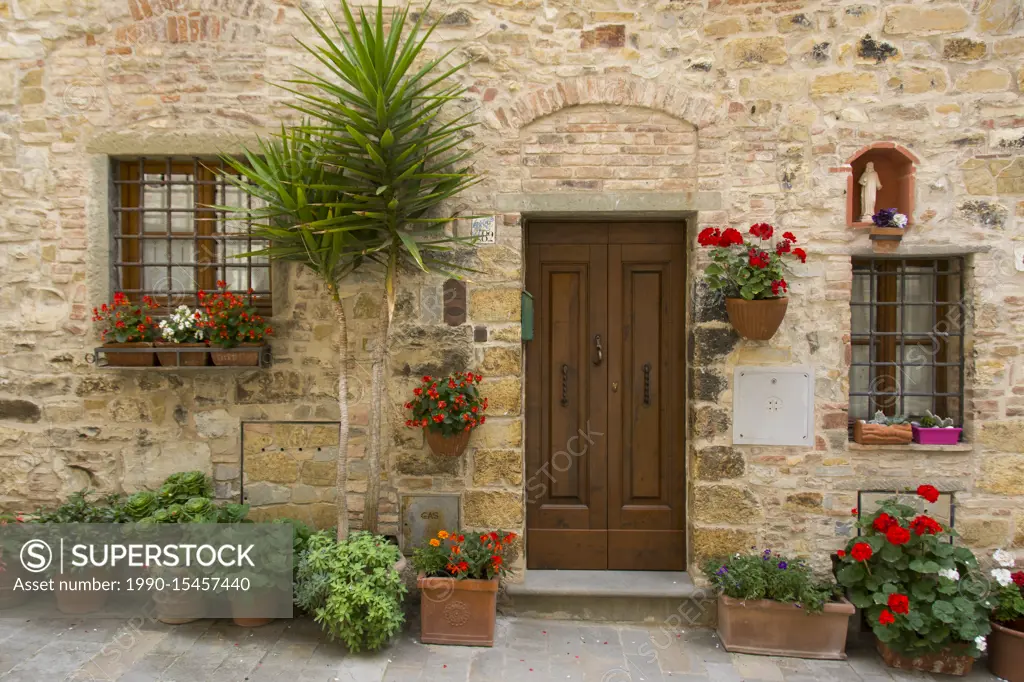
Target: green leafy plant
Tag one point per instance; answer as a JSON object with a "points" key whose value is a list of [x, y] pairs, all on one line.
{"points": [[448, 405], [478, 556], [301, 533], [233, 512], [931, 421], [77, 509], [179, 488], [1008, 589], [351, 588], [881, 418], [769, 576], [753, 269], [906, 575], [141, 504]]}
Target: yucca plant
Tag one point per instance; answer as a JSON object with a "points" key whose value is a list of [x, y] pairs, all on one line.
{"points": [[363, 179]]}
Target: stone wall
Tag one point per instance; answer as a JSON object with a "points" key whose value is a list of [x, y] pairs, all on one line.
{"points": [[758, 105]]}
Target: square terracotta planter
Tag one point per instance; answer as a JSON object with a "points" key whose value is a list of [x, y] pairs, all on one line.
{"points": [[130, 359], [880, 434], [243, 355], [185, 359], [944, 662], [772, 628], [457, 611]]}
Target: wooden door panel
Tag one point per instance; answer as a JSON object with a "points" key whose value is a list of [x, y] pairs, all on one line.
{"points": [[645, 449]]}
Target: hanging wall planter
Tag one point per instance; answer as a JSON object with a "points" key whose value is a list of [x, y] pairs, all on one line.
{"points": [[751, 273], [447, 409], [447, 446], [756, 320]]}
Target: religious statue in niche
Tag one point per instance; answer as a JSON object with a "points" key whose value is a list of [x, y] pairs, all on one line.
{"points": [[869, 184]]}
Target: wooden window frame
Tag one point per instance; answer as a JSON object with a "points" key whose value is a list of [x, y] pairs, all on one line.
{"points": [[886, 304], [129, 210]]}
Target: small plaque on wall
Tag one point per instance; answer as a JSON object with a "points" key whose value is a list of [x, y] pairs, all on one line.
{"points": [[484, 230], [424, 515]]}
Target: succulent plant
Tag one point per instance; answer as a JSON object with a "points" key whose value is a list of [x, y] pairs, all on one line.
{"points": [[141, 504], [933, 421], [181, 487], [198, 509], [880, 418], [232, 513]]}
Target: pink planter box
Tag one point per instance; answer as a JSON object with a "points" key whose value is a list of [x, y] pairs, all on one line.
{"points": [[935, 436]]}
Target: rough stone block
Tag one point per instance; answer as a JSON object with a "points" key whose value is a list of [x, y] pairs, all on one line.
{"points": [[498, 433], [805, 502], [492, 467], [725, 504], [431, 349], [989, 533], [914, 80], [983, 80], [712, 543], [706, 385], [722, 28], [274, 467], [780, 87], [495, 305], [844, 83], [708, 422], [609, 35], [753, 52], [925, 20], [1003, 474], [20, 411], [502, 361], [319, 473], [504, 396], [492, 509], [710, 345], [717, 463], [426, 463], [964, 50]]}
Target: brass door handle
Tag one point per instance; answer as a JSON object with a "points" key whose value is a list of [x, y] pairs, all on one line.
{"points": [[600, 350]]}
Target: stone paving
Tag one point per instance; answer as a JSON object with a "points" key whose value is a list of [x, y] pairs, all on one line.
{"points": [[62, 650]]}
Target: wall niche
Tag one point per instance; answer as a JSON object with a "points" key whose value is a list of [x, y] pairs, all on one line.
{"points": [[896, 168]]}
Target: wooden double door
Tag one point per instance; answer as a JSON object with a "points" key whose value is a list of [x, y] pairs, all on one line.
{"points": [[604, 396]]}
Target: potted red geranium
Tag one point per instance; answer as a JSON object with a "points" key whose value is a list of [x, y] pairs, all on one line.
{"points": [[905, 573], [235, 326], [124, 324], [751, 274], [448, 409], [458, 581], [1006, 642]]}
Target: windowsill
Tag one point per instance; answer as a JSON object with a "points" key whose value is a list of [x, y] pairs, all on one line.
{"points": [[912, 447]]}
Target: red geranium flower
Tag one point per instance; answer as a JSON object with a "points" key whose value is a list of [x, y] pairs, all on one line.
{"points": [[883, 522], [898, 535], [762, 230], [899, 603], [1018, 578], [928, 492], [861, 551], [886, 618], [789, 236], [841, 554], [730, 237], [709, 236], [801, 254], [925, 524]]}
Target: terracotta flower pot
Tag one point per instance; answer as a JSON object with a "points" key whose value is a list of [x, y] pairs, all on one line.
{"points": [[8, 597], [880, 434], [77, 602], [756, 320], [178, 608], [944, 662], [1006, 651], [243, 604], [448, 446], [244, 355], [457, 611], [129, 359], [778, 629], [187, 359]]}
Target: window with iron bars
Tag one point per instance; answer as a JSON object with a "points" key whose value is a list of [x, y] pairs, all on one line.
{"points": [[168, 241], [908, 337]]}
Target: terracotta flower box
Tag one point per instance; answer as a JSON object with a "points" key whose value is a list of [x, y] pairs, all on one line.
{"points": [[243, 355], [880, 434], [129, 359], [457, 611], [774, 628], [189, 359], [944, 662], [1006, 650]]}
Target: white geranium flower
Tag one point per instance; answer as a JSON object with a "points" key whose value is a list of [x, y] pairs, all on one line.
{"points": [[950, 574], [1002, 576], [1003, 558], [980, 642], [899, 220]]}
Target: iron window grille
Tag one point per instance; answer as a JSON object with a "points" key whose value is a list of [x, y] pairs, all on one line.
{"points": [[168, 241], [908, 320]]}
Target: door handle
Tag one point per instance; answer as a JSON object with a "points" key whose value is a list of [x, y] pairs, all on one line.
{"points": [[565, 384], [647, 383], [600, 350]]}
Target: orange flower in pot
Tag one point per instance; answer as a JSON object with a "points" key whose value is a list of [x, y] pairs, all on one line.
{"points": [[751, 273], [127, 325], [448, 409]]}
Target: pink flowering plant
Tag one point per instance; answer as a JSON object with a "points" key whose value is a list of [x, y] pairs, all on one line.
{"points": [[752, 267]]}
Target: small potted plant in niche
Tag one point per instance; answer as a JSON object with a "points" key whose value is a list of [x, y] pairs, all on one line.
{"points": [[458, 581], [184, 328], [448, 409], [888, 228], [1006, 642], [906, 574], [235, 326], [771, 605], [124, 324], [934, 430], [751, 275], [883, 430]]}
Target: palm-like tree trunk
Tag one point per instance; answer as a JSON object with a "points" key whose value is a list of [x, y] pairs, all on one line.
{"points": [[377, 392], [341, 499]]}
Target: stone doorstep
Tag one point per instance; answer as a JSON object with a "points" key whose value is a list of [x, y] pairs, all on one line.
{"points": [[637, 584]]}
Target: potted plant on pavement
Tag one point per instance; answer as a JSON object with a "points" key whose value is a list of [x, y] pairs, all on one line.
{"points": [[751, 274], [905, 573], [235, 326], [184, 328], [126, 325], [352, 588], [458, 581], [772, 605], [934, 430], [448, 409], [1006, 642], [883, 430]]}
